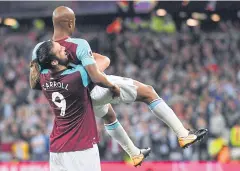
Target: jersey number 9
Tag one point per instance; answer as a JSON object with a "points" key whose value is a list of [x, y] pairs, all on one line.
{"points": [[61, 104]]}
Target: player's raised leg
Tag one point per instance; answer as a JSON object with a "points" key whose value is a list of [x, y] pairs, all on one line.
{"points": [[131, 90], [147, 94], [117, 132]]}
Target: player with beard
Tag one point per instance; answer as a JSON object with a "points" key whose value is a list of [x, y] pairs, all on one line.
{"points": [[74, 137]]}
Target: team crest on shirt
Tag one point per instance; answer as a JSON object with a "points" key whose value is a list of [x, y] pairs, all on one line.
{"points": [[90, 53]]}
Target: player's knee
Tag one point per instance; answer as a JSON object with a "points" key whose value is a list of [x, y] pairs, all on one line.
{"points": [[150, 93], [146, 93], [150, 90], [110, 116]]}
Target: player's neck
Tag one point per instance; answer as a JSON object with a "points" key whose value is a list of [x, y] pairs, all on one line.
{"points": [[59, 68], [59, 35]]}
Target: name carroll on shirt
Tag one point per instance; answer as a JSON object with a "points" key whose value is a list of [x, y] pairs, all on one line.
{"points": [[54, 84]]}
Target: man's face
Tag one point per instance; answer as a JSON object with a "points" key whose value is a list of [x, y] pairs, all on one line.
{"points": [[60, 53]]}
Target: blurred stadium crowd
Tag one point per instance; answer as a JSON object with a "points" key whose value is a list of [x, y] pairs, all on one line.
{"points": [[196, 72]]}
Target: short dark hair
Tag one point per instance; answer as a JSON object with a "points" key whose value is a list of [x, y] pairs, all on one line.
{"points": [[45, 55]]}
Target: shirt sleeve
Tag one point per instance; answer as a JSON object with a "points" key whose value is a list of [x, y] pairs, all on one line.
{"points": [[84, 53], [85, 78]]}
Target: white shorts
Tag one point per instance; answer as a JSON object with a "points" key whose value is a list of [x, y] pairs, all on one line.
{"points": [[101, 97], [85, 160]]}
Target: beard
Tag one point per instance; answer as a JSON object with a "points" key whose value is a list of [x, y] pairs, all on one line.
{"points": [[63, 62]]}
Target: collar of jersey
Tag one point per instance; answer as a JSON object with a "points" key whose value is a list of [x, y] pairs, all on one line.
{"points": [[58, 72], [62, 39]]}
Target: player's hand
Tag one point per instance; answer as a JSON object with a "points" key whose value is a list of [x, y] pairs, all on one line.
{"points": [[115, 90]]}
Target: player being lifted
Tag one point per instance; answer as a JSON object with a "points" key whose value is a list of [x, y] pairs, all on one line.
{"points": [[131, 90]]}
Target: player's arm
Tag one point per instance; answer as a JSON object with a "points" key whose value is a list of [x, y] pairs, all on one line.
{"points": [[97, 76], [84, 54], [102, 61]]}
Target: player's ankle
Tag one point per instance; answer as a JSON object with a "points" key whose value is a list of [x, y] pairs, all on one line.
{"points": [[183, 133]]}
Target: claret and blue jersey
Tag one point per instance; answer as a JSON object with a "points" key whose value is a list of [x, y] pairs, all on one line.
{"points": [[78, 49], [68, 94]]}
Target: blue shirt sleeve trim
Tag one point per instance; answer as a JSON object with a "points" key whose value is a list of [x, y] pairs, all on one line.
{"points": [[83, 52], [34, 55]]}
